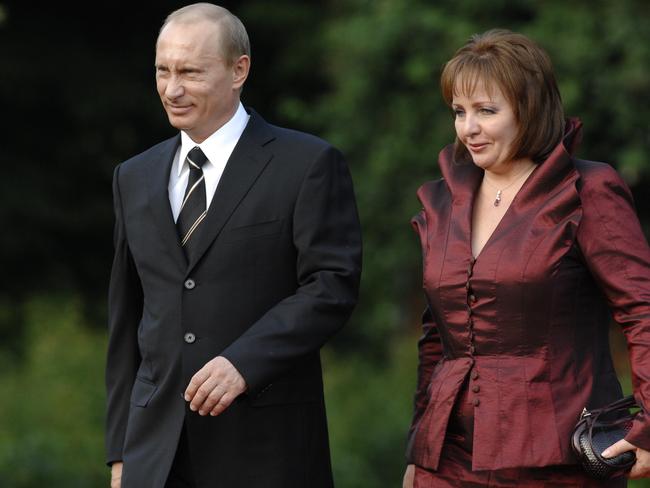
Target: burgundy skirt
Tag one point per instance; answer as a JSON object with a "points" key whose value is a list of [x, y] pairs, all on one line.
{"points": [[455, 465]]}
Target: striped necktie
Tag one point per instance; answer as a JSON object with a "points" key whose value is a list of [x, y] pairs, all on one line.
{"points": [[193, 208]]}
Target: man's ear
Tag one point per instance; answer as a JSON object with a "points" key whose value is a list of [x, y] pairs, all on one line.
{"points": [[240, 69]]}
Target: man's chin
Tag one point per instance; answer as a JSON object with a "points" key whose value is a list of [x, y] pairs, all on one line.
{"points": [[180, 123]]}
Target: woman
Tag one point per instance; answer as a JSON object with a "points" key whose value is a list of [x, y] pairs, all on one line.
{"points": [[526, 251]]}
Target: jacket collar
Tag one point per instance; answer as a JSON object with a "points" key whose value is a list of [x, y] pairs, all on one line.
{"points": [[463, 179], [248, 159], [554, 179]]}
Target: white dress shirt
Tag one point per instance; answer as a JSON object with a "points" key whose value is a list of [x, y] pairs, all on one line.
{"points": [[217, 148]]}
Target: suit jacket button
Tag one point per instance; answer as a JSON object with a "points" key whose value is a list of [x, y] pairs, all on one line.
{"points": [[476, 402], [476, 388], [189, 337], [474, 375], [189, 284]]}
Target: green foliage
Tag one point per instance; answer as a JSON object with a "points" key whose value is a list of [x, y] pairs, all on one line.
{"points": [[383, 60], [52, 404], [52, 407], [602, 63], [369, 408], [361, 73]]}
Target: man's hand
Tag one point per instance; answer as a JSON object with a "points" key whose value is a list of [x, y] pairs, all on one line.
{"points": [[214, 387], [641, 468], [116, 475]]}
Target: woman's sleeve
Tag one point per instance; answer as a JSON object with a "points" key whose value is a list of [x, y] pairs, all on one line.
{"points": [[617, 255], [429, 353], [429, 350]]}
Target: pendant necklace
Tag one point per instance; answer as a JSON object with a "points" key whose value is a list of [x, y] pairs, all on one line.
{"points": [[497, 198]]}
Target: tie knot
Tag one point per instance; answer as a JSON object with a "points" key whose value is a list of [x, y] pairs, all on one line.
{"points": [[195, 158]]}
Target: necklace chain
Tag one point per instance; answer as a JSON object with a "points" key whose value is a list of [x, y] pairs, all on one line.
{"points": [[497, 198]]}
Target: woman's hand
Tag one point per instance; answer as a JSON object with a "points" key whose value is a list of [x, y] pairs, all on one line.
{"points": [[409, 476], [641, 468]]}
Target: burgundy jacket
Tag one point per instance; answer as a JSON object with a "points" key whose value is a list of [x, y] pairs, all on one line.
{"points": [[526, 322]]}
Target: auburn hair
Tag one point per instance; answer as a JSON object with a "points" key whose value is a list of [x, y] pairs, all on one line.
{"points": [[523, 72]]}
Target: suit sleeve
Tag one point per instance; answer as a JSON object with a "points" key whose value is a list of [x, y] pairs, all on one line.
{"points": [[617, 254], [327, 238], [124, 311]]}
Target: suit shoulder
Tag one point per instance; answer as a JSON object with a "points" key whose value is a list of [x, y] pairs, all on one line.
{"points": [[303, 152], [298, 139], [166, 146]]}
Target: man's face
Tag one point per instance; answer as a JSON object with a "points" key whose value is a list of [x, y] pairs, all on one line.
{"points": [[198, 89]]}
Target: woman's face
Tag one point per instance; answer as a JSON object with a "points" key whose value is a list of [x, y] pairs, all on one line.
{"points": [[486, 125]]}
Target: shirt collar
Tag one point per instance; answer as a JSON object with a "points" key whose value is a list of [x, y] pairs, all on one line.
{"points": [[226, 136]]}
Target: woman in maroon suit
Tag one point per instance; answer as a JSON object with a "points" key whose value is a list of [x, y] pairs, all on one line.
{"points": [[527, 252]]}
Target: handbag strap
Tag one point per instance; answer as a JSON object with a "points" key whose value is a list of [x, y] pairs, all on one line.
{"points": [[622, 404], [625, 402]]}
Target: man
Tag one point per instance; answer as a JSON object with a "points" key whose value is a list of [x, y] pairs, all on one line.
{"points": [[237, 255]]}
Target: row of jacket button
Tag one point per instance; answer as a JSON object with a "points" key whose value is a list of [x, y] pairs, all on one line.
{"points": [[189, 337], [471, 299]]}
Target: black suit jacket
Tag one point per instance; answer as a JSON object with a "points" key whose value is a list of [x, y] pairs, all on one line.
{"points": [[276, 275]]}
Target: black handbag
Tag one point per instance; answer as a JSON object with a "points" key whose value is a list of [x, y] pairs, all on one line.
{"points": [[596, 431]]}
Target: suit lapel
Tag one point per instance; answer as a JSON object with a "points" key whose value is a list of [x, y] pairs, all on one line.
{"points": [[157, 177], [247, 161]]}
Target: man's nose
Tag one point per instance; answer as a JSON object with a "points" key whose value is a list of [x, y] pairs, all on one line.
{"points": [[174, 88]]}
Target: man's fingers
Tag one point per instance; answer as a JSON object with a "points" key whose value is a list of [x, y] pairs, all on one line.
{"points": [[202, 392], [195, 383], [116, 474], [212, 399], [214, 387], [223, 404]]}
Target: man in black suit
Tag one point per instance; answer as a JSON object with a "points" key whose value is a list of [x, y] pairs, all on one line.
{"points": [[237, 256]]}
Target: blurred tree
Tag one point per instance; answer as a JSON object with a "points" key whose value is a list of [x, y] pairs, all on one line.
{"points": [[81, 97], [78, 96], [383, 59]]}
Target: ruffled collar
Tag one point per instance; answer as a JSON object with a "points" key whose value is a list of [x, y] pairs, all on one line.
{"points": [[463, 179]]}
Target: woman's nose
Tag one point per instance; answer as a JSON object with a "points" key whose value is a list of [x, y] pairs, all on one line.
{"points": [[470, 125]]}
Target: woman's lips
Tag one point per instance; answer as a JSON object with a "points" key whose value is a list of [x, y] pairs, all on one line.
{"points": [[477, 147]]}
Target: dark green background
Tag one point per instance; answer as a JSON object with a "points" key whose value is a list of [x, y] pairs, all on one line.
{"points": [[77, 96]]}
